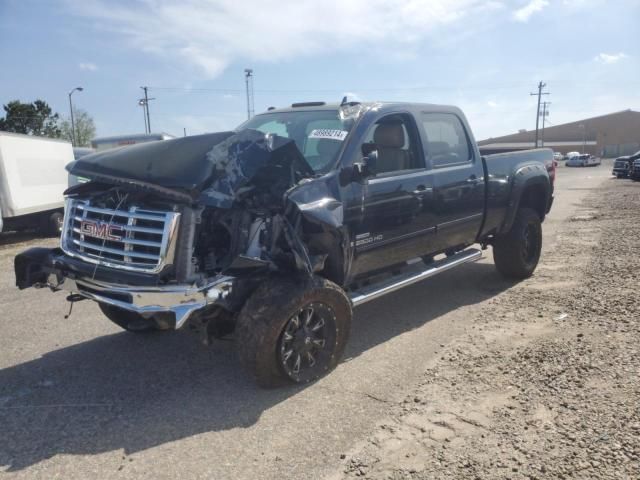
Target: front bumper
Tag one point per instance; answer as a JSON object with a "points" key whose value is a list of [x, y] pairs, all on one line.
{"points": [[42, 267]]}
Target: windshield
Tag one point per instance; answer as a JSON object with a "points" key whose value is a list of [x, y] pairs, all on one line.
{"points": [[318, 134]]}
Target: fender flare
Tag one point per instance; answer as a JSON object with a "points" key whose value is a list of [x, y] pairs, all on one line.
{"points": [[524, 177]]}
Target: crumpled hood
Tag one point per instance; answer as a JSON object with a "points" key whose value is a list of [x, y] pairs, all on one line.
{"points": [[215, 166]]}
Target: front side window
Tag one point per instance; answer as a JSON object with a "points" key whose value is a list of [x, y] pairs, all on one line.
{"points": [[447, 142], [319, 134], [394, 137]]}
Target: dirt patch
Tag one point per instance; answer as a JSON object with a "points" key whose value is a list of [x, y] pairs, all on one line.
{"points": [[545, 384]]}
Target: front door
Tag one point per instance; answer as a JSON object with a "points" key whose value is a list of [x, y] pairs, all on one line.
{"points": [[396, 222]]}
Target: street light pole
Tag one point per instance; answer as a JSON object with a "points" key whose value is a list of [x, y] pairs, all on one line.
{"points": [[73, 125], [248, 80]]}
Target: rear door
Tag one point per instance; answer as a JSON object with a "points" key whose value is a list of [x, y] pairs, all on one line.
{"points": [[458, 179]]}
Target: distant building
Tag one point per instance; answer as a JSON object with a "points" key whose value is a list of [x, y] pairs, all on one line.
{"points": [[609, 135]]}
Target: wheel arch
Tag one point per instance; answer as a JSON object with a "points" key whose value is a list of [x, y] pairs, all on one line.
{"points": [[531, 188]]}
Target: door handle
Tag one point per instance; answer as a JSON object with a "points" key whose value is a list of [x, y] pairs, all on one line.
{"points": [[422, 190], [473, 180]]}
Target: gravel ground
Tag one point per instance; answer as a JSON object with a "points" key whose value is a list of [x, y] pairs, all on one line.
{"points": [[546, 384]]}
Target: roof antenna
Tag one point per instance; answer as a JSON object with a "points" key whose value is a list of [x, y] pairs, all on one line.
{"points": [[344, 101]]}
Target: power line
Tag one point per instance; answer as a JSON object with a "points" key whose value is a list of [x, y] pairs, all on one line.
{"points": [[448, 87]]}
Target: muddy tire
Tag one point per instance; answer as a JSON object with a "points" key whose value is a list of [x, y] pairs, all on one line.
{"points": [[129, 321], [516, 253], [293, 330]]}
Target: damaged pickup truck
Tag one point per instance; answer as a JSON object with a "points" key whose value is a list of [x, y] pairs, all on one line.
{"points": [[275, 231]]}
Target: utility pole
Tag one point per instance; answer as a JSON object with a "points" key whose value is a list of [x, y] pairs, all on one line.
{"points": [[541, 85], [141, 102], [248, 81], [145, 103], [545, 114]]}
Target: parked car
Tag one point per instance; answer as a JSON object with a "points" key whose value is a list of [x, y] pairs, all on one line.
{"points": [[32, 182], [622, 165], [278, 229], [634, 172], [557, 156], [570, 155], [584, 160]]}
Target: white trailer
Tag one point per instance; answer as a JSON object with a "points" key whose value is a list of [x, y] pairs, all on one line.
{"points": [[32, 181]]}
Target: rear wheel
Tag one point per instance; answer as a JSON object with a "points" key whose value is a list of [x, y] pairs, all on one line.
{"points": [[516, 253], [129, 321], [293, 331]]}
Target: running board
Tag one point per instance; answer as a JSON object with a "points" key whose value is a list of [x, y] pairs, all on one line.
{"points": [[371, 292]]}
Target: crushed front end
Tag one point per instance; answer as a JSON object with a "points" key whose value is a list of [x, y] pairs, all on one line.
{"points": [[171, 246]]}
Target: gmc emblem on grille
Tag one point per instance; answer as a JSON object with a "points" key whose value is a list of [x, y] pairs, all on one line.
{"points": [[101, 230]]}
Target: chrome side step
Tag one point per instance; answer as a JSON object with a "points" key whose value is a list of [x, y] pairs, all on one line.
{"points": [[371, 292]]}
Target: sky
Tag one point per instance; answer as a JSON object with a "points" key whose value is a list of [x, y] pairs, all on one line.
{"points": [[484, 56]]}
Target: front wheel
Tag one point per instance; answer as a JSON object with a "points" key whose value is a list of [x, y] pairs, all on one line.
{"points": [[51, 224], [516, 253], [293, 330]]}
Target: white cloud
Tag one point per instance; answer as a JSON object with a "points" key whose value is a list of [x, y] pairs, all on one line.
{"points": [[211, 33], [88, 66], [492, 104], [523, 14], [610, 57]]}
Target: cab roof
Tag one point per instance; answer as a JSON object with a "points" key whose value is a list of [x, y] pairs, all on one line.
{"points": [[380, 106]]}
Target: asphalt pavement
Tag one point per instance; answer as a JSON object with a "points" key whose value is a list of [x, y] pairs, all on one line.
{"points": [[80, 398]]}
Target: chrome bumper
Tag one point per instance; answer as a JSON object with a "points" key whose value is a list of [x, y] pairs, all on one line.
{"points": [[181, 300]]}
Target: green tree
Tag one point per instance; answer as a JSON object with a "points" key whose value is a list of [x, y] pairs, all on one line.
{"points": [[85, 128], [31, 119]]}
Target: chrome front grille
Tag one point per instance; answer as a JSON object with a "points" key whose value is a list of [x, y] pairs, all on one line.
{"points": [[133, 239]]}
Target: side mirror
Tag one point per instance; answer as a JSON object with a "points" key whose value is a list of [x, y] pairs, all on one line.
{"points": [[367, 166], [371, 162], [364, 168]]}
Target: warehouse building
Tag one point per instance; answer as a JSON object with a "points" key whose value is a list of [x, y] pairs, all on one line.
{"points": [[609, 135]]}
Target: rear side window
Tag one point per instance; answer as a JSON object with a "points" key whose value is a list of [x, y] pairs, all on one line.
{"points": [[447, 142]]}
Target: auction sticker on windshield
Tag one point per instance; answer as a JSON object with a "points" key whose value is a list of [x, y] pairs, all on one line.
{"points": [[329, 134]]}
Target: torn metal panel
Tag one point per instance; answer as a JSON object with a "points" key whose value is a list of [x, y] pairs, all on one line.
{"points": [[252, 160]]}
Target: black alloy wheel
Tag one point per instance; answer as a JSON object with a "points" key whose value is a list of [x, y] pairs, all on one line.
{"points": [[293, 329], [307, 342], [530, 247], [516, 253]]}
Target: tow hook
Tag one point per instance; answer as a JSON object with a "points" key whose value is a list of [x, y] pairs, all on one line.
{"points": [[73, 298]]}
